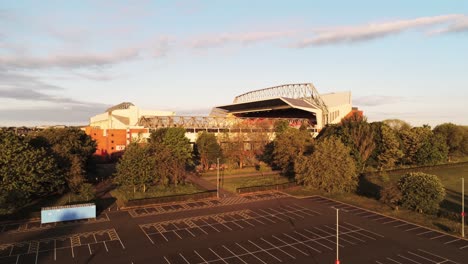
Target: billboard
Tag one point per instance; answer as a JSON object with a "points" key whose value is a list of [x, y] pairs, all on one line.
{"points": [[67, 213]]}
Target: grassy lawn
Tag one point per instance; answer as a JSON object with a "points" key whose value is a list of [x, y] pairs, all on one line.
{"points": [[433, 222], [33, 209], [124, 194], [233, 183], [245, 170], [450, 177]]}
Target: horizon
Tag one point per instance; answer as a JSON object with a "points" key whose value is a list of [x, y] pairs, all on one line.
{"points": [[61, 63]]}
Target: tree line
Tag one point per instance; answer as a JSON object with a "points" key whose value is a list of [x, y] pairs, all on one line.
{"points": [[42, 163]]}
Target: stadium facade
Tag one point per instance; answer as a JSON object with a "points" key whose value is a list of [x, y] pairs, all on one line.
{"points": [[299, 104]]}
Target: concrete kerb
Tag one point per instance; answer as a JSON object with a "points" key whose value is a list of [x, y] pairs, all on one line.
{"points": [[125, 208], [370, 211]]}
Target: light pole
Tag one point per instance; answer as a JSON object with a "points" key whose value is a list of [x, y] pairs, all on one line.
{"points": [[337, 241], [217, 178], [463, 207]]}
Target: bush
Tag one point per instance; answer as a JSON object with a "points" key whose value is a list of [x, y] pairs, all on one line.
{"points": [[391, 195], [421, 192]]}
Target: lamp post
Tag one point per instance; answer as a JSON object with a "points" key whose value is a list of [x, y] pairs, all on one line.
{"points": [[217, 178], [337, 241], [463, 208]]}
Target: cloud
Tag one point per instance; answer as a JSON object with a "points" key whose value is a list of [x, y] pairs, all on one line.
{"points": [[351, 34], [69, 115], [377, 100], [68, 61], [243, 38], [459, 26], [11, 80]]}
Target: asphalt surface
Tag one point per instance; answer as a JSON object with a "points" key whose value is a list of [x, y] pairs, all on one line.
{"points": [[268, 228]]}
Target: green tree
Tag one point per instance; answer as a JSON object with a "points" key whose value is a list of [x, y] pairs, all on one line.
{"points": [[433, 151], [359, 136], [389, 151], [136, 168], [329, 168], [208, 149], [412, 140], [391, 195], [288, 145], [421, 192], [453, 136], [174, 138], [25, 171]]}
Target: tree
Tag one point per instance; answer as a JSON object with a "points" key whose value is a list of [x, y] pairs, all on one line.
{"points": [[421, 192], [288, 145], [25, 171], [358, 135], [389, 151], [174, 138], [397, 124], [412, 140], [136, 167], [208, 149], [391, 195], [71, 148], [329, 168], [453, 136], [433, 151]]}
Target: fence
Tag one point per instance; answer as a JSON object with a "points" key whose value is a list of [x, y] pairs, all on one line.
{"points": [[416, 169], [171, 198], [251, 189]]}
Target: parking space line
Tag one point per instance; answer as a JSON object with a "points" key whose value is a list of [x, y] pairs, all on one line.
{"points": [[120, 240], [413, 228], [55, 249], [436, 256], [168, 262], [234, 254], [147, 235], [272, 215], [314, 240], [344, 227], [394, 261], [107, 250], [464, 247], [301, 242], [401, 225], [219, 257], [346, 235], [419, 256], [182, 256], [379, 235], [392, 221], [278, 248], [401, 256], [190, 232], [290, 245], [304, 210], [332, 234], [425, 232], [176, 234], [262, 249], [202, 258], [439, 236], [451, 241], [210, 225], [11, 250], [90, 249]]}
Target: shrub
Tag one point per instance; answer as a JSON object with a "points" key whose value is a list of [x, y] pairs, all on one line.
{"points": [[421, 192], [391, 195]]}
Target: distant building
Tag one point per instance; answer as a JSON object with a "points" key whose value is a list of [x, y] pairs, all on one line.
{"points": [[118, 127]]}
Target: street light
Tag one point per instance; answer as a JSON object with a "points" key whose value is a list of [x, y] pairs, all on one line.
{"points": [[217, 178], [337, 241], [463, 208]]}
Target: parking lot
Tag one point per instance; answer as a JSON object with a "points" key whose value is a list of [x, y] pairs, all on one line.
{"points": [[257, 228], [62, 249]]}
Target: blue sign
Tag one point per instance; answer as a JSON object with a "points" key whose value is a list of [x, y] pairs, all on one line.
{"points": [[67, 213]]}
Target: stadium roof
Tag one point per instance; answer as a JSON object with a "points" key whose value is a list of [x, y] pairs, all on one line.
{"points": [[269, 104]]}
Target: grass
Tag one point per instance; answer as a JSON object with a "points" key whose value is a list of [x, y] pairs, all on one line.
{"points": [[33, 209], [123, 194], [231, 184], [245, 170], [434, 222], [451, 179]]}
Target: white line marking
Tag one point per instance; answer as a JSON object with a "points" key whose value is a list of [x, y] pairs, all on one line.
{"points": [[17, 259], [210, 225], [359, 233], [435, 255], [260, 249], [90, 250], [439, 236], [302, 243], [413, 228], [393, 220], [421, 257], [314, 240], [364, 229], [425, 232], [278, 248], [219, 257], [200, 256], [333, 229], [107, 250], [394, 260], [333, 235], [409, 259], [168, 262], [180, 254], [452, 241], [176, 234], [234, 254], [190, 232], [55, 249], [290, 245], [121, 243]]}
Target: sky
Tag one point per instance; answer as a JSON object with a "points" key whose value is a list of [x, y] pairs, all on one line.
{"points": [[62, 62]]}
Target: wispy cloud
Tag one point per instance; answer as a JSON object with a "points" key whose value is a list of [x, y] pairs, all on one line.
{"points": [[351, 34], [377, 100], [217, 40], [460, 25], [70, 60]]}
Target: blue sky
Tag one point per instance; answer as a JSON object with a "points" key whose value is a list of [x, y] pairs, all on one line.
{"points": [[64, 61]]}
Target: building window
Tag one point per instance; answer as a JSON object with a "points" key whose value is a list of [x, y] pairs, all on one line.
{"points": [[112, 148], [112, 141]]}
